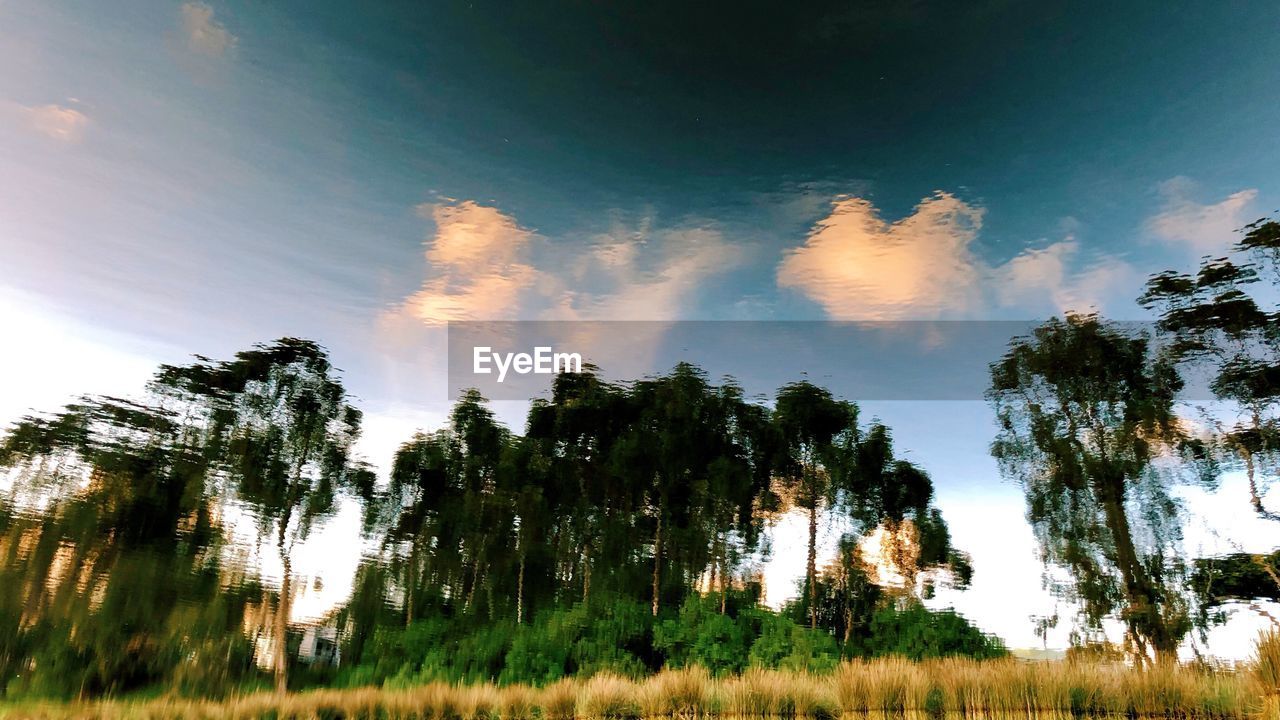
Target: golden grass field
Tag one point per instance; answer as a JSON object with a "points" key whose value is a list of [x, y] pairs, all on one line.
{"points": [[881, 687]]}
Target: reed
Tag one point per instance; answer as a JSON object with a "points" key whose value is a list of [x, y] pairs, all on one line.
{"points": [[891, 686]]}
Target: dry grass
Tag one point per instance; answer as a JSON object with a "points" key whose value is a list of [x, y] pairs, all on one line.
{"points": [[893, 686]]}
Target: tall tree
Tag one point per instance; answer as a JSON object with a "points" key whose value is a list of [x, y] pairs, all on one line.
{"points": [[813, 427], [1084, 410], [110, 556], [1219, 321], [281, 421]]}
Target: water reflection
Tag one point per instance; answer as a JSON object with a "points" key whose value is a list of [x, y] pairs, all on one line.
{"points": [[155, 544]]}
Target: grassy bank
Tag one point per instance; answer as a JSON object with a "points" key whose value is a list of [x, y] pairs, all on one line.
{"points": [[934, 687]]}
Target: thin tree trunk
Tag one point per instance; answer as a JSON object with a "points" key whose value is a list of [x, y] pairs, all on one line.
{"points": [[1138, 590], [281, 649], [811, 568], [520, 590], [724, 576], [586, 573], [657, 559]]}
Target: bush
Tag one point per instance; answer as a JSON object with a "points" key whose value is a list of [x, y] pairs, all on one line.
{"points": [[917, 632]]}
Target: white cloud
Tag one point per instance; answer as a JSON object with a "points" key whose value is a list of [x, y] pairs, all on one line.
{"points": [[642, 275], [1201, 228], [59, 122], [204, 34], [1050, 274], [859, 267]]}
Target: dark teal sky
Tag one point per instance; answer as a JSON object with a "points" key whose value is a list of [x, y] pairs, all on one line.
{"points": [[195, 177]]}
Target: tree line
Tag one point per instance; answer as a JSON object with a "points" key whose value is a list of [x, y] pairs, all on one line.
{"points": [[120, 570]]}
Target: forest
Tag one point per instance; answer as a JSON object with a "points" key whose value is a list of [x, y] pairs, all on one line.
{"points": [[621, 533]]}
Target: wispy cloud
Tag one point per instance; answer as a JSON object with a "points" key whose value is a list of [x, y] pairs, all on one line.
{"points": [[1054, 273], [641, 274], [1201, 228], [204, 34], [59, 122]]}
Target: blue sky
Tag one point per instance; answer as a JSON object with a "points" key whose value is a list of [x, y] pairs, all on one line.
{"points": [[196, 177]]}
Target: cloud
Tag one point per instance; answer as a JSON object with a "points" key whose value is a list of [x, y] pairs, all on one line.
{"points": [[1203, 229], [859, 267], [482, 267], [204, 34], [1049, 273], [642, 275], [57, 121], [476, 259]]}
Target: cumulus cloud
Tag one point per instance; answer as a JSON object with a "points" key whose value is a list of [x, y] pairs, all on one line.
{"points": [[857, 266], [59, 122], [1201, 228], [204, 34], [476, 263]]}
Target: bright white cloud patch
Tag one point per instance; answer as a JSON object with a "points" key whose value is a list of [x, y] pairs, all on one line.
{"points": [[1050, 273], [59, 122], [1201, 228], [204, 34]]}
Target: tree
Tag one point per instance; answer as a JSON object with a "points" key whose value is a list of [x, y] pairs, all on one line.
{"points": [[1214, 322], [110, 556], [1084, 410], [282, 427], [811, 425]]}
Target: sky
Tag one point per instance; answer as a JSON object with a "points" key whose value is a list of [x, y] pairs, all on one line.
{"points": [[180, 178]]}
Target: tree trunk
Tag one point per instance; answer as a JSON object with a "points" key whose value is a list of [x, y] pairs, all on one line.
{"points": [[724, 575], [1139, 593], [811, 568], [520, 591], [586, 572], [280, 661], [657, 560]]}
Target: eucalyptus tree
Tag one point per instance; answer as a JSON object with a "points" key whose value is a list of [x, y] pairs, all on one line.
{"points": [[570, 446], [279, 421], [669, 451], [813, 428], [1220, 320], [109, 556], [1084, 411]]}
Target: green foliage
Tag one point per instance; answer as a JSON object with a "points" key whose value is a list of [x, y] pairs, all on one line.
{"points": [[701, 635], [782, 644], [918, 633], [1084, 409], [618, 535]]}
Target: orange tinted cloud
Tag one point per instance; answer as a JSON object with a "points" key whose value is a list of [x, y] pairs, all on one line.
{"points": [[204, 34], [476, 266], [57, 121], [859, 267]]}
